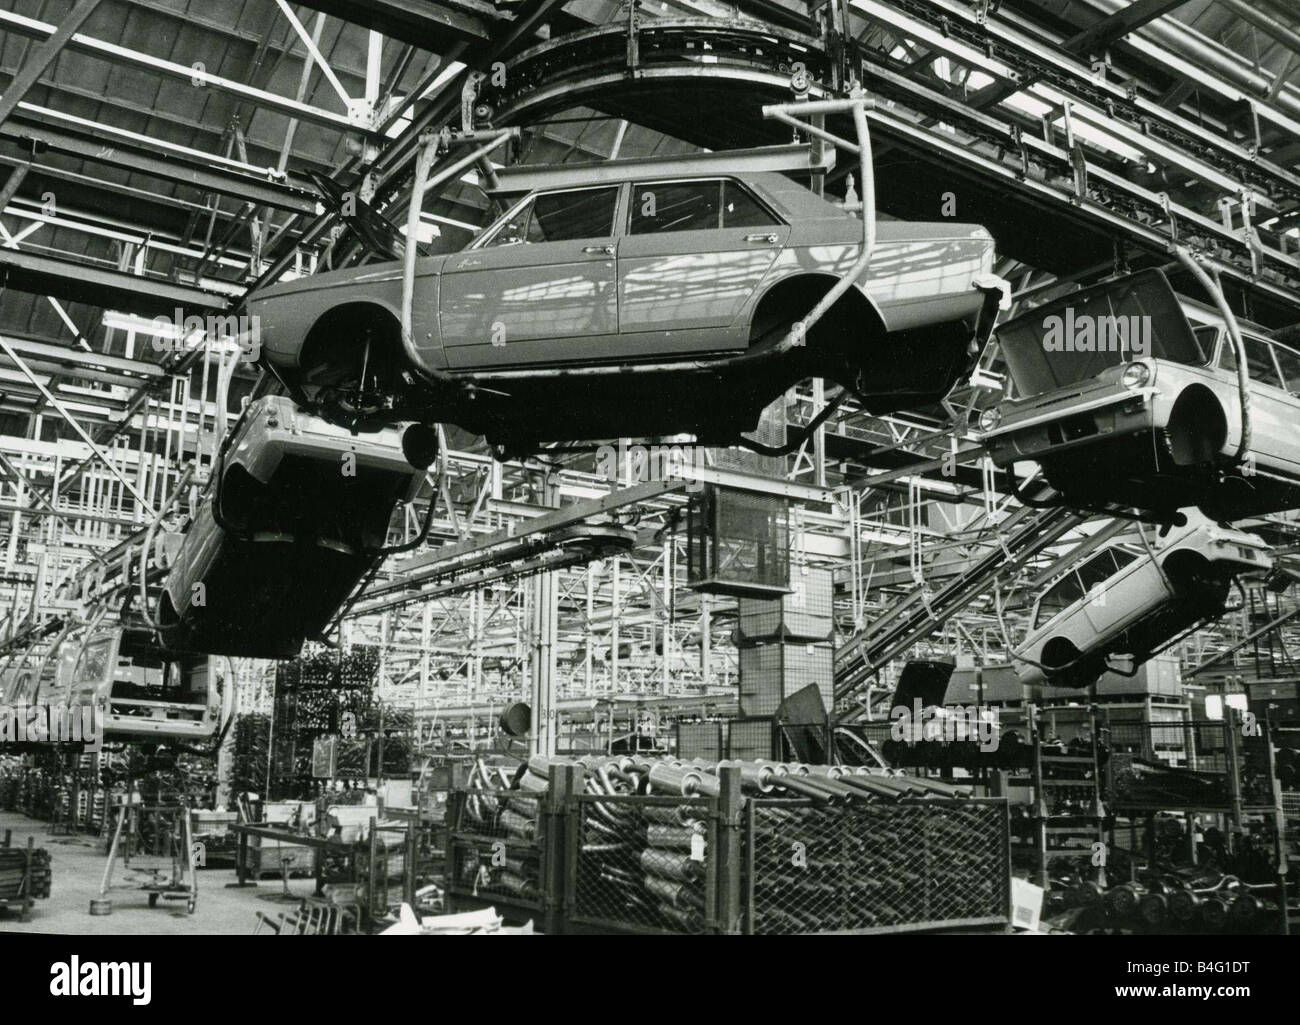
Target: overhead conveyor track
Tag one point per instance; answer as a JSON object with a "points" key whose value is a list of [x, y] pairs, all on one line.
{"points": [[1216, 191]]}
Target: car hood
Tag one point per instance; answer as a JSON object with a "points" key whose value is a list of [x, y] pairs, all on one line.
{"points": [[388, 270], [925, 679]]}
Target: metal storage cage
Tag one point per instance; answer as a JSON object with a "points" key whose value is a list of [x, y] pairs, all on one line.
{"points": [[738, 543], [770, 673], [806, 613]]}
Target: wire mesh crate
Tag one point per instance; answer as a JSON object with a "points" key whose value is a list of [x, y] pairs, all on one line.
{"points": [[806, 613], [700, 740], [811, 868], [496, 848], [738, 543], [748, 739], [770, 673], [642, 864]]}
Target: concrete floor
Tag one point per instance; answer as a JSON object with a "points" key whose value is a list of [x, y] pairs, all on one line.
{"points": [[78, 866]]}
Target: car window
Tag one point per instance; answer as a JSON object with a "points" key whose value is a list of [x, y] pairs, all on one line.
{"points": [[659, 207], [1123, 557], [741, 210], [560, 217], [675, 206], [1288, 362], [1063, 593], [1259, 360], [1100, 568], [1206, 336], [568, 216]]}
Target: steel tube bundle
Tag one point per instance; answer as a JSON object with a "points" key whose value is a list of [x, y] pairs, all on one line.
{"points": [[684, 780], [670, 865]]}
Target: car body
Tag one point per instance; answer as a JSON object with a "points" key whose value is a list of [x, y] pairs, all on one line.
{"points": [[145, 692], [1155, 432], [298, 513], [1130, 598], [616, 299]]}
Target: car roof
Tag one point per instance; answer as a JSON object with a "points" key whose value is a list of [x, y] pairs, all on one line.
{"points": [[1200, 314]]}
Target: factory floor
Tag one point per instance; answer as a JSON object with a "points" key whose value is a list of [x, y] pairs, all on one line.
{"points": [[77, 863]]}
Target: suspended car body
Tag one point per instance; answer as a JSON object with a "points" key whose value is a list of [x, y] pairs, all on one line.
{"points": [[145, 691], [1130, 600], [637, 298], [1128, 395], [298, 513]]}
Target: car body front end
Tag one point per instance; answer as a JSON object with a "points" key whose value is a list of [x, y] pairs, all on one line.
{"points": [[1156, 426]]}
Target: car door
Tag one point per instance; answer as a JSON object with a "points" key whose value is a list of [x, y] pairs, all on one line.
{"points": [[539, 288], [1274, 408], [691, 256], [1281, 449], [1119, 589]]}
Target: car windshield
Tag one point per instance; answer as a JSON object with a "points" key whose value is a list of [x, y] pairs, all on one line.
{"points": [[1073, 339]]}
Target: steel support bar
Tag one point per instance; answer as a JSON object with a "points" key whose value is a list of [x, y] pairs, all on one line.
{"points": [[19, 24], [310, 43], [65, 517], [578, 512], [12, 184], [427, 25], [1008, 34], [81, 431], [98, 286], [35, 64], [1116, 26], [1250, 638], [201, 171]]}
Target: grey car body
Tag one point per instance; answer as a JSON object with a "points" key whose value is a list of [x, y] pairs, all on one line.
{"points": [[297, 515], [1133, 599], [663, 262], [1156, 431]]}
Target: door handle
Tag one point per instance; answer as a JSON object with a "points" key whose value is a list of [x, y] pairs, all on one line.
{"points": [[771, 240], [604, 250]]}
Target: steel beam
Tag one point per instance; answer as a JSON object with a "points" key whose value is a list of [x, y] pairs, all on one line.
{"points": [[35, 64], [99, 453], [99, 286], [18, 24], [197, 170], [429, 26]]}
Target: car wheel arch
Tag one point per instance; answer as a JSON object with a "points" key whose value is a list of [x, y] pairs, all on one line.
{"points": [[1197, 427], [795, 294], [1058, 651], [333, 327]]}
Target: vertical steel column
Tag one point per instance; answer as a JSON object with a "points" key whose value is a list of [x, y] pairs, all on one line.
{"points": [[543, 651]]}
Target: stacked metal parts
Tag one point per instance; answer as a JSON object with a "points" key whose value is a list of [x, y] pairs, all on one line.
{"points": [[629, 843]]}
